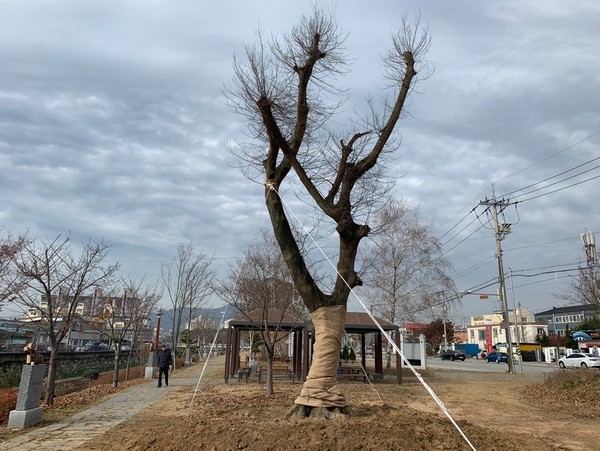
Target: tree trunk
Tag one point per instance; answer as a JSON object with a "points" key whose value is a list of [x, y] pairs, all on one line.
{"points": [[321, 388], [116, 366], [270, 373], [49, 399]]}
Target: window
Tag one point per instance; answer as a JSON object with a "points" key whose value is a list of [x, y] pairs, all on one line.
{"points": [[482, 334], [472, 335]]}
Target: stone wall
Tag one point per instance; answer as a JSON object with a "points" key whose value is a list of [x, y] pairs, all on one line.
{"points": [[73, 384], [69, 364]]}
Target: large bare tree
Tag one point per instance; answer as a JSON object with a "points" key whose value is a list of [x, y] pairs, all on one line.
{"points": [[56, 277], [259, 286], [285, 90]]}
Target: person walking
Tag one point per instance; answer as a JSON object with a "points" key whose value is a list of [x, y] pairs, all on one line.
{"points": [[165, 360]]}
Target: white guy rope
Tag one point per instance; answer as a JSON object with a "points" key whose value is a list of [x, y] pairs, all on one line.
{"points": [[212, 346], [398, 351], [371, 385]]}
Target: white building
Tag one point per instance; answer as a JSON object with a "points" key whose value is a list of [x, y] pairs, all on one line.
{"points": [[488, 330]]}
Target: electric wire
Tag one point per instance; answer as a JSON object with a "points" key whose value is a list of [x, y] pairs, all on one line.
{"points": [[550, 156], [560, 189], [556, 183], [556, 175], [528, 186]]}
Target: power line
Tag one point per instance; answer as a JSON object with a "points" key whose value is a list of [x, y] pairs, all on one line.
{"points": [[540, 244], [555, 183], [461, 241], [550, 156], [560, 189], [475, 267], [556, 175]]}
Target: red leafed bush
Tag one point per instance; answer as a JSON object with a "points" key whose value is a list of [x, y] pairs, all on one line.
{"points": [[8, 402]]}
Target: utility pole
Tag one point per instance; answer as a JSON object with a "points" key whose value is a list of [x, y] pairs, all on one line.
{"points": [[501, 230], [445, 315], [517, 321]]}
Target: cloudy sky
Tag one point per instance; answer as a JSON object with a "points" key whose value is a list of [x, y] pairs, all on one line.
{"points": [[113, 126]]}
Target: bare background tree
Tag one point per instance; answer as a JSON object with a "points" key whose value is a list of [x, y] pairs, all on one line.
{"points": [[10, 283], [285, 89], [260, 287], [55, 279], [120, 313], [584, 288], [404, 270], [145, 296], [188, 282]]}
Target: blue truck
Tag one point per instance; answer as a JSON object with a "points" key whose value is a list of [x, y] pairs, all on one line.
{"points": [[469, 349]]}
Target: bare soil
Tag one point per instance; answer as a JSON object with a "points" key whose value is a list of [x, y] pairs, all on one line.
{"points": [[494, 411]]}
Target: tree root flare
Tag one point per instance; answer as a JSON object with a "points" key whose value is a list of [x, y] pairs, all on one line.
{"points": [[325, 413]]}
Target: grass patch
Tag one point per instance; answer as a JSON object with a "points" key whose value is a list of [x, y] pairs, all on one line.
{"points": [[574, 391]]}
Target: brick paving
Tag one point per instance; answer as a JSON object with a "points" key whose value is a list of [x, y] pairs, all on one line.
{"points": [[73, 432]]}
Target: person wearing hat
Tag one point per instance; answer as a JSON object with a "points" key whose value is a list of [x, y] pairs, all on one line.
{"points": [[165, 360]]}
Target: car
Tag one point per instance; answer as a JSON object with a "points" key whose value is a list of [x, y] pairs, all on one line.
{"points": [[453, 355], [580, 360], [497, 357]]}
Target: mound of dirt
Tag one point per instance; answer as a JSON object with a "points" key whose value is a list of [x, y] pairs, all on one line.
{"points": [[490, 409]]}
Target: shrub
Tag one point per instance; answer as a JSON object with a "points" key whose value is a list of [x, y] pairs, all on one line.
{"points": [[8, 402], [573, 391], [11, 378], [572, 379]]}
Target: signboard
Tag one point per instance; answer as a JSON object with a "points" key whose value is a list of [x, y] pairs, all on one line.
{"points": [[488, 338]]}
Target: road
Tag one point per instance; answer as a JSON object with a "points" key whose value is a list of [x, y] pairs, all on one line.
{"points": [[480, 365]]}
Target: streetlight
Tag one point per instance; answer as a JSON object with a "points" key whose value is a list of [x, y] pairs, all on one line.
{"points": [[153, 354], [158, 315]]}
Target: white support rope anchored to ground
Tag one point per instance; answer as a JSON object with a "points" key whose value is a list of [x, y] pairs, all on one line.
{"points": [[371, 385], [213, 345], [385, 334]]}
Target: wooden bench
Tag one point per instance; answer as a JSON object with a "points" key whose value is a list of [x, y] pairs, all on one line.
{"points": [[357, 374], [279, 372], [351, 374]]}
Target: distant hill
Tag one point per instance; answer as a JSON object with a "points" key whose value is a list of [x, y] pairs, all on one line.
{"points": [[215, 314]]}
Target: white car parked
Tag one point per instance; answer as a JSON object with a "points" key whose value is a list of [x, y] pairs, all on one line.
{"points": [[580, 360]]}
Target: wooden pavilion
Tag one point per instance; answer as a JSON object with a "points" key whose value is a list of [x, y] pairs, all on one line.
{"points": [[357, 323]]}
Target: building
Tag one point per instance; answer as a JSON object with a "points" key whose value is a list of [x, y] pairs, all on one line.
{"points": [[559, 318], [487, 331], [89, 323], [413, 330]]}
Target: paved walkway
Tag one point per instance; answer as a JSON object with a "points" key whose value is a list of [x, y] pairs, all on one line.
{"points": [[72, 432]]}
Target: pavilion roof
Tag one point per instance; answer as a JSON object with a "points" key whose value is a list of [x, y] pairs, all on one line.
{"points": [[356, 322]]}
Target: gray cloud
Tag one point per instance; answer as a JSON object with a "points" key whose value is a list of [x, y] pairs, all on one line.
{"points": [[113, 125]]}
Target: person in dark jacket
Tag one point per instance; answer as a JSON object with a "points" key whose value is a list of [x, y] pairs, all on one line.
{"points": [[165, 360]]}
